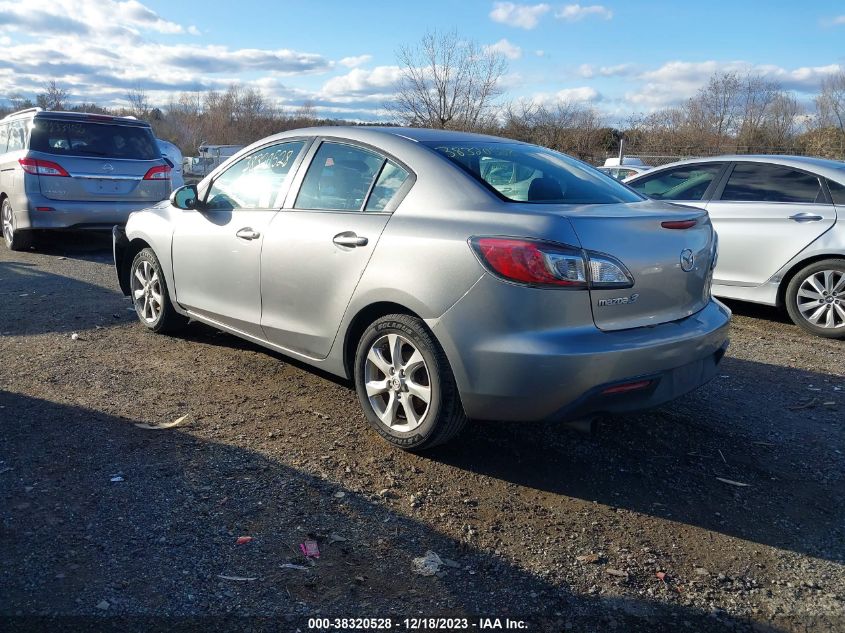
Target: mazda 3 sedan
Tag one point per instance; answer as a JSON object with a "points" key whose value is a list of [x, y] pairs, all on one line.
{"points": [[781, 239], [404, 260]]}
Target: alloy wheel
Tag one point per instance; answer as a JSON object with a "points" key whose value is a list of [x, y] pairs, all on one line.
{"points": [[8, 223], [398, 383], [146, 291], [821, 299]]}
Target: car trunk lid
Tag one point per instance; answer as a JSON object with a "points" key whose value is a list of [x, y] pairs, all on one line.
{"points": [[668, 249]]}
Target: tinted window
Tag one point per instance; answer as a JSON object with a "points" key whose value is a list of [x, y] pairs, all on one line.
{"points": [[756, 182], [82, 138], [391, 178], [689, 182], [528, 173], [17, 136], [256, 181], [837, 192], [4, 136], [338, 178]]}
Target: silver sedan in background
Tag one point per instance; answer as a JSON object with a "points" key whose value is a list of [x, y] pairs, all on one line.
{"points": [[781, 240], [408, 261]]}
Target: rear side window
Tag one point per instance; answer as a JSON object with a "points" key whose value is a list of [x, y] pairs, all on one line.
{"points": [[520, 172], [339, 178], [837, 192], [758, 182], [255, 181], [4, 136], [82, 138], [390, 180], [689, 182]]}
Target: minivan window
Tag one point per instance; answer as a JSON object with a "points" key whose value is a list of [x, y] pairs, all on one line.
{"points": [[689, 182], [17, 136], [758, 182], [519, 172], [4, 136], [84, 138]]}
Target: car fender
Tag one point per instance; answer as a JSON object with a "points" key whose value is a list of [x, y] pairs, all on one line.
{"points": [[154, 226]]}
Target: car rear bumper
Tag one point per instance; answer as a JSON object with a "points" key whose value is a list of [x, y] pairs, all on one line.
{"points": [[65, 214], [563, 374]]}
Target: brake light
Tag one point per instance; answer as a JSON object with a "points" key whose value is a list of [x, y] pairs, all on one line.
{"points": [[679, 224], [161, 172], [38, 167], [533, 263], [546, 264]]}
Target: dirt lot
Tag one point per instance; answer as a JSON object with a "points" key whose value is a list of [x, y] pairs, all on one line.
{"points": [[104, 520]]}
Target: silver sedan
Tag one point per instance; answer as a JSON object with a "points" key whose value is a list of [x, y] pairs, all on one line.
{"points": [[406, 260]]}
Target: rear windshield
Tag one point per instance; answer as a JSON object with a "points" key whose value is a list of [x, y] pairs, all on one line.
{"points": [[81, 138], [527, 173]]}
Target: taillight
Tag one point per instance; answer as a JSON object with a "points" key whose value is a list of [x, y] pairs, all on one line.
{"points": [[38, 167], [161, 172], [545, 264], [533, 263]]}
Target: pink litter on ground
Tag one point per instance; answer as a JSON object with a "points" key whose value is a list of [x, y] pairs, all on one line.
{"points": [[309, 549]]}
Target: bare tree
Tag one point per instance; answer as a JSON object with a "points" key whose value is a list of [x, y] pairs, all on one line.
{"points": [[19, 102], [830, 103], [139, 103], [53, 97], [783, 120], [757, 94], [447, 82]]}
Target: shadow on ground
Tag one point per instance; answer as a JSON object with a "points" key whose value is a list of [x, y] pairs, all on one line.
{"points": [[156, 541], [666, 463]]}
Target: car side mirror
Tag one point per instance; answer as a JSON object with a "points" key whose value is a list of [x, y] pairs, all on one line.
{"points": [[185, 198]]}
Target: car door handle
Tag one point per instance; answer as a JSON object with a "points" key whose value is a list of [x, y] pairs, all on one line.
{"points": [[806, 217], [350, 239], [247, 233]]}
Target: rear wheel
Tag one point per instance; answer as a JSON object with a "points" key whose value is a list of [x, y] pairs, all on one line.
{"points": [[815, 298], [148, 291], [405, 384], [16, 239]]}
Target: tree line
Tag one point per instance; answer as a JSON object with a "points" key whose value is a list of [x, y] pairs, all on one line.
{"points": [[452, 83]]}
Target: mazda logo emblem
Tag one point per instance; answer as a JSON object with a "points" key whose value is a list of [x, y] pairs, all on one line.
{"points": [[687, 260], [108, 167]]}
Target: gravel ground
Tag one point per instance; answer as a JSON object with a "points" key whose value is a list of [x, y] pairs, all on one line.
{"points": [[104, 522]]}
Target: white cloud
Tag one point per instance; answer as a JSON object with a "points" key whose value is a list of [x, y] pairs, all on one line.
{"points": [[503, 46], [580, 94], [676, 81], [524, 16], [838, 20], [620, 70], [354, 62], [540, 53], [376, 83], [575, 12]]}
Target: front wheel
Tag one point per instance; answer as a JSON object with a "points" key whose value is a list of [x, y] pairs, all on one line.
{"points": [[405, 384], [148, 291], [815, 298]]}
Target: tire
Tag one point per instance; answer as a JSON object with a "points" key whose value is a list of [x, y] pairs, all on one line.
{"points": [[15, 239], [148, 291], [815, 298], [424, 369]]}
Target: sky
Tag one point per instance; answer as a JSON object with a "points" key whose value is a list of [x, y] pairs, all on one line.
{"points": [[620, 56]]}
